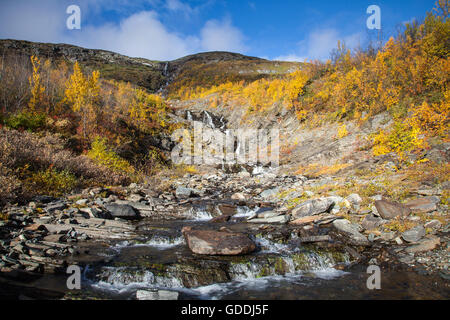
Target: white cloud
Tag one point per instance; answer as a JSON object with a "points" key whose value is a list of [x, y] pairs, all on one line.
{"points": [[176, 5], [222, 36], [139, 35], [291, 58], [41, 22], [320, 43]]}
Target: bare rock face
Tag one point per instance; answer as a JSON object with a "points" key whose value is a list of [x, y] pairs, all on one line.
{"points": [[390, 209], [208, 242]]}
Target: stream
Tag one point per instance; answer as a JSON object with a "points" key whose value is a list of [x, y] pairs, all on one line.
{"points": [[281, 268]]}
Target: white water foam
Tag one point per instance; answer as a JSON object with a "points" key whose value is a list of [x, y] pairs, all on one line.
{"points": [[122, 281], [329, 273], [219, 290], [155, 242], [268, 246], [198, 214], [245, 212]]}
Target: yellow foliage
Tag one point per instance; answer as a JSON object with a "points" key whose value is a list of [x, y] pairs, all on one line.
{"points": [[37, 89], [401, 139], [399, 224], [51, 182], [342, 131], [101, 154], [432, 118], [259, 95], [82, 93], [316, 170], [4, 216]]}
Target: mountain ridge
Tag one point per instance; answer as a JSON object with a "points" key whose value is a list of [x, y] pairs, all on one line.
{"points": [[150, 74]]}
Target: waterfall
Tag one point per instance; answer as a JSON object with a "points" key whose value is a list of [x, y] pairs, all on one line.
{"points": [[238, 148], [223, 123], [120, 279], [207, 119]]}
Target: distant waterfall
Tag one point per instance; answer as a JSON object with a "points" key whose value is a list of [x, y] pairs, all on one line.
{"points": [[207, 119], [189, 116]]}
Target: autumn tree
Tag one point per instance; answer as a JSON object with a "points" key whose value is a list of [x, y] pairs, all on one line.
{"points": [[37, 88], [82, 94], [147, 111]]}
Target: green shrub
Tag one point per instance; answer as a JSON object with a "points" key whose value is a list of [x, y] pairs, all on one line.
{"points": [[51, 182], [26, 120]]}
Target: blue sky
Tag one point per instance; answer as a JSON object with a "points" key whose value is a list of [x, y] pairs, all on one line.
{"points": [[169, 29]]}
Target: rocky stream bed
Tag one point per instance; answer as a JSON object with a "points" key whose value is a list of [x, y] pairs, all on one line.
{"points": [[220, 236]]}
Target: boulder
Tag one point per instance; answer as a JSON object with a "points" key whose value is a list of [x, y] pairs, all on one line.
{"points": [[267, 213], [135, 197], [371, 222], [312, 239], [51, 208], [351, 231], [305, 220], [387, 236], [312, 207], [426, 204], [92, 212], [414, 234], [355, 200], [220, 219], [280, 219], [390, 209], [122, 211], [239, 196], [269, 193], [433, 224], [82, 202], [424, 245], [183, 192], [227, 209], [208, 242]]}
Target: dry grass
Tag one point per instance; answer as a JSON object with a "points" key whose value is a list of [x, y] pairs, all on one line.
{"points": [[24, 154], [317, 170], [399, 224], [9, 185]]}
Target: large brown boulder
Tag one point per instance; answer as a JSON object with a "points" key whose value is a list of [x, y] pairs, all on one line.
{"points": [[427, 204], [209, 242], [390, 209]]}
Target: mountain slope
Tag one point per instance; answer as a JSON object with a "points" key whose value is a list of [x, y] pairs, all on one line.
{"points": [[153, 75]]}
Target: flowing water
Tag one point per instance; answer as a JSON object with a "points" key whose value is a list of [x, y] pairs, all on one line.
{"points": [[160, 259], [280, 268]]}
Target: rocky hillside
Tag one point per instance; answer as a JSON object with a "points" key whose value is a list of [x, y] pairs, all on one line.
{"points": [[152, 75]]}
